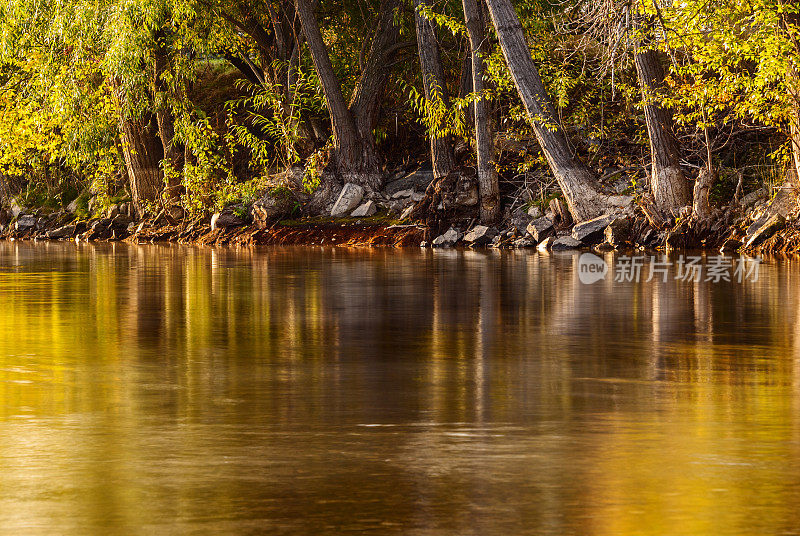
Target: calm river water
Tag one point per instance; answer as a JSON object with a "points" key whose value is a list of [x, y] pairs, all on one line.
{"points": [[171, 390]]}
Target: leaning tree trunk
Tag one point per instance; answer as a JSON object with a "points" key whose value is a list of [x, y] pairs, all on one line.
{"points": [[435, 87], [577, 181], [668, 184], [143, 153], [484, 144], [351, 156]]}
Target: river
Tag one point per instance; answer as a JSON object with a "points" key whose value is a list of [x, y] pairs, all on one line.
{"points": [[161, 389]]}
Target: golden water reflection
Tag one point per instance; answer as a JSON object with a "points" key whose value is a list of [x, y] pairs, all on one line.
{"points": [[163, 389]]}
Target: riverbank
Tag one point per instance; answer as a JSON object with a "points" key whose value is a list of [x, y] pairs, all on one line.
{"points": [[411, 212]]}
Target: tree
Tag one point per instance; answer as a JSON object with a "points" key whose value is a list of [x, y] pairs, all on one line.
{"points": [[484, 142], [578, 183], [354, 155], [435, 86], [668, 184]]}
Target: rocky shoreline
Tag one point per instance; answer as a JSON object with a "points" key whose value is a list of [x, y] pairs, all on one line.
{"points": [[403, 215]]}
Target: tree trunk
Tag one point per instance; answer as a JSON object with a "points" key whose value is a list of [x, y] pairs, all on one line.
{"points": [[435, 87], [367, 95], [143, 153], [484, 144], [794, 120], [667, 183], [578, 183], [173, 153], [795, 139], [352, 158]]}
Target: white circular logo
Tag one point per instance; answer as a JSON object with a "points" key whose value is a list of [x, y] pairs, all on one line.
{"points": [[591, 268]]}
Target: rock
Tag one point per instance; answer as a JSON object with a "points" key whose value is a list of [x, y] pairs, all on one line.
{"points": [[545, 244], [398, 206], [496, 242], [275, 205], [753, 197], [24, 223], [73, 206], [534, 212], [520, 220], [591, 231], [447, 240], [730, 245], [365, 210], [418, 180], [112, 211], [763, 228], [565, 243], [100, 225], [618, 232], [524, 242], [120, 223], [540, 229], [480, 235], [402, 193], [16, 209], [92, 204], [62, 232], [225, 220], [417, 197], [407, 212], [349, 198]]}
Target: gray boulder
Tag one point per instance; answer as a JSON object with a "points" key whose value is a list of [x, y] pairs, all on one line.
{"points": [[73, 206], [481, 235], [534, 212], [365, 210], [225, 219], [592, 230], [763, 228], [520, 220], [565, 243], [446, 240], [16, 209], [407, 212], [62, 232], [618, 232], [540, 229], [545, 244], [349, 198], [402, 193], [112, 211], [418, 180], [24, 223], [275, 205], [730, 245]]}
